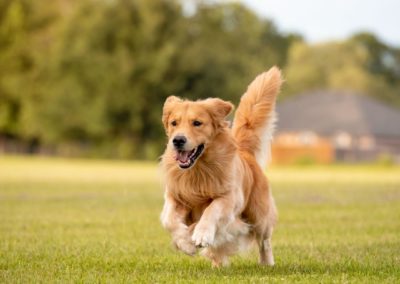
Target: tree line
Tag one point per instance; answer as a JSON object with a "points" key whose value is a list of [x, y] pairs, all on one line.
{"points": [[90, 77]]}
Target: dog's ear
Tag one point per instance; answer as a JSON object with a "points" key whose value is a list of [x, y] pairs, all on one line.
{"points": [[167, 109], [219, 109]]}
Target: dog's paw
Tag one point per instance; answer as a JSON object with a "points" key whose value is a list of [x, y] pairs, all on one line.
{"points": [[203, 236], [238, 227], [186, 246]]}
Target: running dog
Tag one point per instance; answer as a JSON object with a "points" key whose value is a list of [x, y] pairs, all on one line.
{"points": [[216, 194]]}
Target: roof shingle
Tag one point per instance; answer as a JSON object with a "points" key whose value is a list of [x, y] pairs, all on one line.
{"points": [[328, 112]]}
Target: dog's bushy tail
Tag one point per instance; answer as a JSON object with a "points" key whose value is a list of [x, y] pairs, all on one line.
{"points": [[255, 117]]}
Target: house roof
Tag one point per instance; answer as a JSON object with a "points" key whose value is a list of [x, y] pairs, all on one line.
{"points": [[330, 112]]}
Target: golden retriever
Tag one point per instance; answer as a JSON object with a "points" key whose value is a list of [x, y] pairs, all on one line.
{"points": [[216, 194]]}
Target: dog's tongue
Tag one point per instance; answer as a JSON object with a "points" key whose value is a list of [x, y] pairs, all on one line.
{"points": [[183, 156]]}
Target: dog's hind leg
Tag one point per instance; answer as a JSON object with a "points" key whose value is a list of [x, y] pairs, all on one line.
{"points": [[265, 248], [264, 235]]}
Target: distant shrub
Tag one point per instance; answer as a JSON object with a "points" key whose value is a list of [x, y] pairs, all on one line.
{"points": [[305, 161], [385, 160]]}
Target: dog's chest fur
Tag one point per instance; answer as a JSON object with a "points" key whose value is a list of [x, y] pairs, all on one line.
{"points": [[198, 185]]}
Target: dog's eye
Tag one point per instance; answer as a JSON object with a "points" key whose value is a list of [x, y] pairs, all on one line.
{"points": [[173, 123], [197, 123]]}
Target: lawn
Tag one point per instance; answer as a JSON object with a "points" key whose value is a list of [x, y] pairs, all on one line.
{"points": [[98, 221]]}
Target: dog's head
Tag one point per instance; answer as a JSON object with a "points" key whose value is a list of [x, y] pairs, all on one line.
{"points": [[191, 126]]}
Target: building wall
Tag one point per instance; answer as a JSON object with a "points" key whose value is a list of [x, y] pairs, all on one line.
{"points": [[297, 147], [303, 147]]}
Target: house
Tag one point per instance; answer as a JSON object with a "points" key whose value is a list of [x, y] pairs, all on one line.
{"points": [[328, 126]]}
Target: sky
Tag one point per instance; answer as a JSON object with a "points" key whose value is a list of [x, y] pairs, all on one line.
{"points": [[324, 20]]}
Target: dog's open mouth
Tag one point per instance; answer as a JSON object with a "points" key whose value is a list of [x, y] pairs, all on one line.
{"points": [[186, 159]]}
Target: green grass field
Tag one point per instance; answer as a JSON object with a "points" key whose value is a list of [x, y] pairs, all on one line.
{"points": [[97, 221]]}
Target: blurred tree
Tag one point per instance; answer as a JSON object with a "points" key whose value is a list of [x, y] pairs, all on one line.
{"points": [[24, 29], [383, 62], [223, 47], [90, 77], [15, 62], [383, 59], [339, 65], [112, 64], [104, 72]]}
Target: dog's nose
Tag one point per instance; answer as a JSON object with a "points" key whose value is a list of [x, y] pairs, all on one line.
{"points": [[179, 141]]}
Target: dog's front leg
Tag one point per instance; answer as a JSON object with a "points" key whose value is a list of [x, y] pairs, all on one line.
{"points": [[219, 211], [173, 218]]}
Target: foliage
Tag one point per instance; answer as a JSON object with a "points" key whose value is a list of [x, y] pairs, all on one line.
{"points": [[360, 64], [306, 160], [90, 77], [386, 160]]}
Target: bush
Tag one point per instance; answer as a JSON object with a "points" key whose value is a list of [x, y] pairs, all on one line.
{"points": [[385, 160], [306, 160]]}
